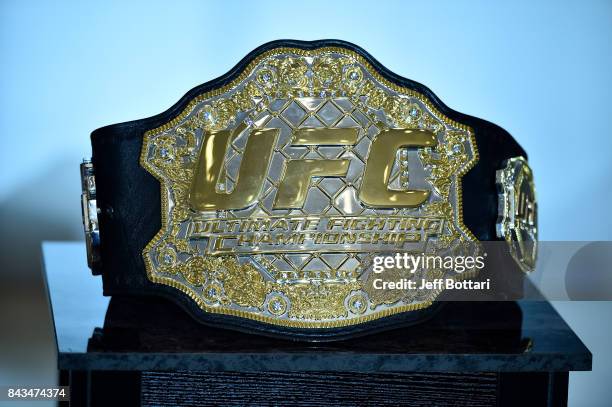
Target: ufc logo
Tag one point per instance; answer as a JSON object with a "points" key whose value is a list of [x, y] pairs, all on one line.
{"points": [[526, 206], [297, 174]]}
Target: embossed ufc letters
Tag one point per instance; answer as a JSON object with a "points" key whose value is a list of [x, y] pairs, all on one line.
{"points": [[374, 191], [297, 175], [253, 170]]}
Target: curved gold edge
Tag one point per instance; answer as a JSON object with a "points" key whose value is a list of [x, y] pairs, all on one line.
{"points": [[219, 91]]}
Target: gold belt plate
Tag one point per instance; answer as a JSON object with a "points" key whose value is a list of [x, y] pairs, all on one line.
{"points": [[280, 187]]}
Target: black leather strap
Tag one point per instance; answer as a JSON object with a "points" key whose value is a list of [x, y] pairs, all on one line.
{"points": [[128, 197]]}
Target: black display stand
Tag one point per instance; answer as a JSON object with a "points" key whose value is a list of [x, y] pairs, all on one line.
{"points": [[146, 351]]}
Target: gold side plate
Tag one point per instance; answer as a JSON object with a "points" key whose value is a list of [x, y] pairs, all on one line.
{"points": [[517, 221], [280, 187]]}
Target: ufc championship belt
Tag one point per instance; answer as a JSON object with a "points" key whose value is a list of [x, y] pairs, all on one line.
{"points": [[259, 201]]}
